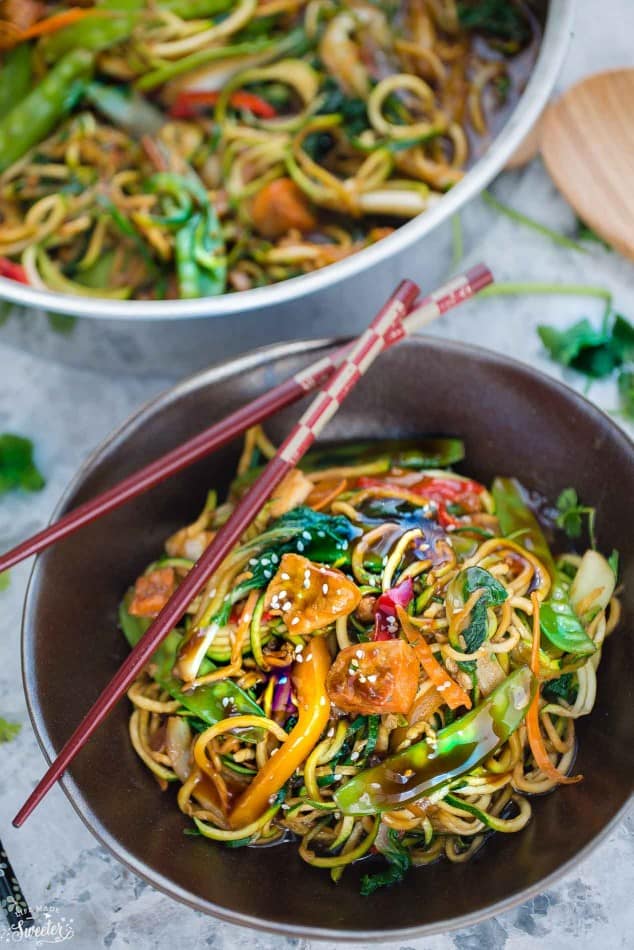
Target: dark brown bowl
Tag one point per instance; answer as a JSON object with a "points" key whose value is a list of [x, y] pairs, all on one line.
{"points": [[514, 421]]}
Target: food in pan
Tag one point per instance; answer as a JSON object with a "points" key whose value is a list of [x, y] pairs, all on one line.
{"points": [[157, 149], [391, 662]]}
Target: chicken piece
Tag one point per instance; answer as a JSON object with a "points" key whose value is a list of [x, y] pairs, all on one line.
{"points": [[292, 491], [309, 596], [374, 678], [152, 591], [22, 13], [281, 206]]}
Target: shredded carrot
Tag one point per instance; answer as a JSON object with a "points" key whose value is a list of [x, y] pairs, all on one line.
{"points": [[452, 693], [49, 25], [535, 738]]}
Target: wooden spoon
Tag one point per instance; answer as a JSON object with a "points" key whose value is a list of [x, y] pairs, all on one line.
{"points": [[587, 143]]}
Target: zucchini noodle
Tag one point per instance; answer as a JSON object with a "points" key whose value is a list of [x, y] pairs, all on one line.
{"points": [[294, 133], [267, 724]]}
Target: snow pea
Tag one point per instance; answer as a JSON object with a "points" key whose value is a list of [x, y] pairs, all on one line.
{"points": [[15, 77], [31, 120], [459, 748], [514, 516], [212, 702], [99, 33]]}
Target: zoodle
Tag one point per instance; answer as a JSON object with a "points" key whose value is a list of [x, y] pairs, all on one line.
{"points": [[368, 672]]}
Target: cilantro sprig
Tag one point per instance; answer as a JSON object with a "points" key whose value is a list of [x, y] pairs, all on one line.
{"points": [[572, 513], [17, 467]]}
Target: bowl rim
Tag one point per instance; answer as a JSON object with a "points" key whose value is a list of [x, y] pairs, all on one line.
{"points": [[216, 373], [556, 35]]}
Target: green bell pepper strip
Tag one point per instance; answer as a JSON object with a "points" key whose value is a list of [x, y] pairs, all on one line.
{"points": [[31, 120], [460, 747], [514, 516], [99, 33], [15, 77], [211, 703]]}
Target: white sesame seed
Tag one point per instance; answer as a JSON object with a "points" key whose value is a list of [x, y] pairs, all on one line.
{"points": [[268, 575], [305, 534], [359, 654], [300, 546], [307, 584], [286, 605], [324, 588], [282, 594], [354, 756], [294, 621], [330, 732], [265, 560], [373, 678], [285, 577]]}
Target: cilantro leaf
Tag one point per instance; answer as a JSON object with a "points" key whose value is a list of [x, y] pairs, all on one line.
{"points": [[594, 352], [17, 468], [571, 514], [476, 578], [8, 730], [626, 392]]}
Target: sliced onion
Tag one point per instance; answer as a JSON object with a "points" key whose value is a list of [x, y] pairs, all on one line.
{"points": [[178, 740], [594, 577]]}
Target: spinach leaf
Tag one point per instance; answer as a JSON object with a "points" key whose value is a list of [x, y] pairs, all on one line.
{"points": [[320, 537], [560, 624], [476, 578], [17, 468], [500, 18], [565, 687], [571, 514], [353, 111], [400, 862]]}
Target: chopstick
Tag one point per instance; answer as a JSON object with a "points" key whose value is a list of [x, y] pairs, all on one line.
{"points": [[386, 328], [426, 309]]}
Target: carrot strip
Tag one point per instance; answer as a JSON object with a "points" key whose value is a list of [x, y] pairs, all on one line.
{"points": [[535, 738], [452, 693]]}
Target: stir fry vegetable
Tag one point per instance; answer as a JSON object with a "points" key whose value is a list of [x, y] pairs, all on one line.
{"points": [[302, 132], [392, 660]]}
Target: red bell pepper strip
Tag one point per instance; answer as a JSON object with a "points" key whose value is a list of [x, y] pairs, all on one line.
{"points": [[189, 103], [385, 620], [12, 271]]}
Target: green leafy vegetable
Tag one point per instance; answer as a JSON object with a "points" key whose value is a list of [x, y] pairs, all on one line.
{"points": [[17, 468], [5, 580], [626, 392], [476, 578], [8, 730], [572, 513], [565, 687], [559, 622], [502, 19], [613, 561], [399, 860], [596, 353]]}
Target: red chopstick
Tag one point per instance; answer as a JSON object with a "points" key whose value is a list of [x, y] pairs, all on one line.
{"points": [[385, 329], [428, 308]]}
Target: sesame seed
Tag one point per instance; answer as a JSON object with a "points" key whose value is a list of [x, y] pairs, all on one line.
{"points": [[300, 546], [321, 534], [273, 751], [253, 560], [274, 558], [294, 621], [324, 588], [286, 605], [265, 560], [373, 678], [307, 584], [282, 594], [359, 654], [330, 732], [306, 535], [361, 678], [268, 575], [285, 576], [354, 756]]}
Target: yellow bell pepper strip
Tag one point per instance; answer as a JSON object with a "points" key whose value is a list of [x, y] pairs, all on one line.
{"points": [[452, 693], [535, 739], [309, 678]]}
